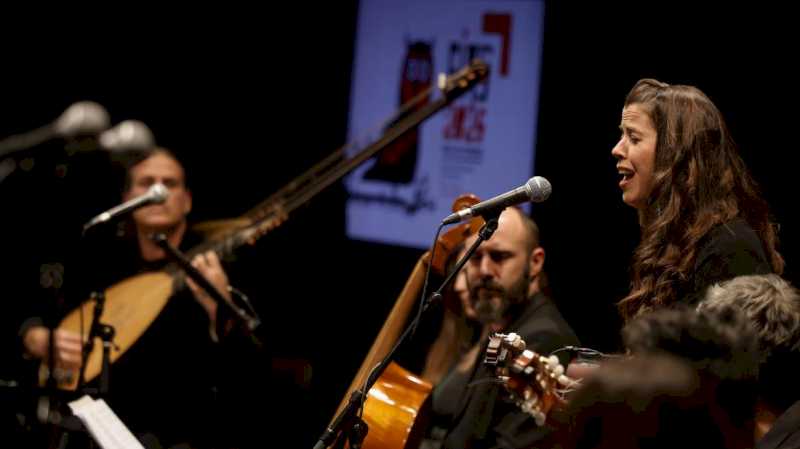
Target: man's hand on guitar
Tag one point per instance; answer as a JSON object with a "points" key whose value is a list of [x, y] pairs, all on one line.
{"points": [[67, 343], [208, 265]]}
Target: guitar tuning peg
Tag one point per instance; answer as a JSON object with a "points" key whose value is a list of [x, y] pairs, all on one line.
{"points": [[515, 341]]}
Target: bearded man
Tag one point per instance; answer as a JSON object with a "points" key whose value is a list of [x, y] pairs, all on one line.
{"points": [[505, 280]]}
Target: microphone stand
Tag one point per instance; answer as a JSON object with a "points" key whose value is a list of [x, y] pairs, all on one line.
{"points": [[48, 398], [97, 329], [348, 423], [158, 194], [106, 333], [251, 322]]}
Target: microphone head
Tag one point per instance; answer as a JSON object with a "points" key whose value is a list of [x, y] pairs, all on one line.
{"points": [[539, 189], [158, 193], [130, 135], [82, 118]]}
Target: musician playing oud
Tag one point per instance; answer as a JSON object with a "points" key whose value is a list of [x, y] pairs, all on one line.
{"points": [[163, 387]]}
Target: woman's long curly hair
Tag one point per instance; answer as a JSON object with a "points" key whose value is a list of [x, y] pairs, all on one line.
{"points": [[699, 182]]}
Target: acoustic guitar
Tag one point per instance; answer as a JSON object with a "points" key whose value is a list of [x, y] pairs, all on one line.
{"points": [[535, 383]]}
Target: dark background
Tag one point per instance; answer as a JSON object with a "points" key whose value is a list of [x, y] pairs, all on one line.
{"points": [[249, 99]]}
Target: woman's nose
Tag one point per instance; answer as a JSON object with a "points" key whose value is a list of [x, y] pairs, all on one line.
{"points": [[619, 150]]}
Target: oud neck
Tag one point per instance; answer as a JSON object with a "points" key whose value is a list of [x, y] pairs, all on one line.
{"points": [[223, 248], [273, 211], [225, 242]]}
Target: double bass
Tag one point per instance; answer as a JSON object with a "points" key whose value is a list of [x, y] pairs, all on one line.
{"points": [[395, 408]]}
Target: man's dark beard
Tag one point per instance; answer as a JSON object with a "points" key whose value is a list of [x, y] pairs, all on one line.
{"points": [[491, 313]]}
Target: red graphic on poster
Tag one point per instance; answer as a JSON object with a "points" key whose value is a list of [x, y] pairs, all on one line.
{"points": [[398, 161]]}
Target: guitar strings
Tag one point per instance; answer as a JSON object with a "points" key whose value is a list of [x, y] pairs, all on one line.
{"points": [[488, 380]]}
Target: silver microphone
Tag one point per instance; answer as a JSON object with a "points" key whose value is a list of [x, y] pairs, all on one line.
{"points": [[536, 190], [156, 194], [129, 135], [84, 118]]}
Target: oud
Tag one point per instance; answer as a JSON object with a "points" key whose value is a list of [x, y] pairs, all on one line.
{"points": [[133, 304]]}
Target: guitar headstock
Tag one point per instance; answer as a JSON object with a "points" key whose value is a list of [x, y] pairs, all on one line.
{"points": [[269, 220], [464, 79], [536, 383]]}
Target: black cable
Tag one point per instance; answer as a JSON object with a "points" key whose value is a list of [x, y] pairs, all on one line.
{"points": [[424, 296]]}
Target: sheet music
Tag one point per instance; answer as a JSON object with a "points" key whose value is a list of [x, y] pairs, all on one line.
{"points": [[104, 425]]}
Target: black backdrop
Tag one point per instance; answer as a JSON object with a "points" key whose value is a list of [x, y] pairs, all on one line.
{"points": [[251, 98]]}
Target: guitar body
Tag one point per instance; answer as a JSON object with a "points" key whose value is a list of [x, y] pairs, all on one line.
{"points": [[397, 404], [396, 410], [130, 307]]}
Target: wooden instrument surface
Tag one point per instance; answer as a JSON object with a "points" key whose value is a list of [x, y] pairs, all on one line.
{"points": [[392, 327], [535, 383], [394, 410], [130, 307], [395, 405]]}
